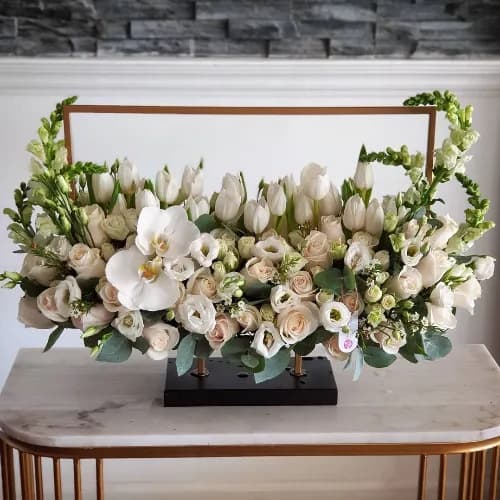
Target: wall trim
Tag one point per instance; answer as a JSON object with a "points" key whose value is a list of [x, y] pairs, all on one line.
{"points": [[308, 80]]}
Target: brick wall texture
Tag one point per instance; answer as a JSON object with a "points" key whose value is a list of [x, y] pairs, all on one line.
{"points": [[251, 28]]}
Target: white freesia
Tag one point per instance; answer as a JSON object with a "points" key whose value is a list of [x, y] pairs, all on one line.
{"points": [[440, 317], [363, 176], [205, 249], [109, 295], [197, 314], [256, 216], [141, 282], [358, 256], [145, 198], [331, 225], [303, 207], [484, 267], [166, 233], [166, 186], [179, 269], [331, 204], [103, 186], [354, 213], [314, 181], [408, 283], [86, 261], [442, 295], [55, 302], [334, 315], [283, 297], [227, 205], [410, 253], [36, 268], [192, 182], [96, 216], [465, 294], [115, 227], [276, 198], [128, 175], [267, 341], [225, 328], [439, 239], [272, 248], [433, 266], [298, 322], [96, 317], [30, 316], [162, 337], [130, 324], [197, 208], [374, 223]]}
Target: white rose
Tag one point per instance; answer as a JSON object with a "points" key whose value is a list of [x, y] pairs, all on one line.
{"points": [[282, 297], [225, 328], [363, 177], [197, 314], [166, 186], [374, 223], [130, 324], [109, 295], [145, 198], [440, 317], [272, 248], [331, 204], [55, 302], [262, 270], [248, 317], [115, 227], [314, 181], [30, 316], [60, 246], [302, 284], [276, 199], [303, 207], [465, 294], [317, 249], [408, 283], [331, 225], [383, 257], [205, 249], [86, 261], [192, 182], [256, 216], [103, 186], [334, 315], [128, 175], [98, 317], [439, 238], [161, 337], [442, 295], [358, 256], [433, 266], [95, 215], [35, 268], [298, 322], [484, 267], [202, 282], [354, 213], [267, 341]]}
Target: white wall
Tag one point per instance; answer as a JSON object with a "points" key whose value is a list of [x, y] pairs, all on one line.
{"points": [[29, 89]]}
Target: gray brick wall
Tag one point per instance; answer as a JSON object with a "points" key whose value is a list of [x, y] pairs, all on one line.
{"points": [[251, 28]]}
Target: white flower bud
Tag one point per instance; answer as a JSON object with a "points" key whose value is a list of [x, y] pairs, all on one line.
{"points": [[374, 223], [166, 186], [314, 181], [128, 176], [363, 177], [276, 199], [103, 186], [256, 216], [227, 205], [303, 209], [354, 213]]}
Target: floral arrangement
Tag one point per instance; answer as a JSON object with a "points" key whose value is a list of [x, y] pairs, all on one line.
{"points": [[157, 266]]}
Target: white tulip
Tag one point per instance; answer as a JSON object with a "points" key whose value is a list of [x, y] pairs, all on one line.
{"points": [[227, 205], [465, 294], [289, 186], [30, 316], [197, 314], [192, 182], [440, 317], [332, 227], [303, 208], [374, 223], [145, 198], [233, 183], [205, 249], [439, 239], [197, 208], [433, 266], [130, 324], [103, 186], [166, 186], [256, 216], [331, 204], [276, 199], [128, 176], [363, 177], [314, 181], [161, 337], [267, 341], [484, 267], [354, 213]]}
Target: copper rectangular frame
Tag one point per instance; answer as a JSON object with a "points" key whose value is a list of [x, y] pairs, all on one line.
{"points": [[236, 110]]}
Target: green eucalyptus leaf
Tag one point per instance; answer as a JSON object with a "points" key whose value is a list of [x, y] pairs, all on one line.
{"points": [[257, 290], [274, 366], [236, 346], [202, 349], [377, 357], [141, 344], [331, 279], [206, 223], [53, 338], [31, 287], [349, 279], [436, 346], [116, 349], [185, 354]]}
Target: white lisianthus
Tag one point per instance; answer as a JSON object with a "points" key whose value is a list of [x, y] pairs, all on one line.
{"points": [[96, 317], [179, 269], [30, 316], [374, 223], [192, 182], [60, 246], [162, 337], [439, 238], [314, 181], [197, 208], [205, 249], [410, 253], [334, 315], [267, 341], [440, 317], [197, 314], [276, 199], [145, 198], [303, 207], [256, 216], [166, 233], [115, 227], [225, 328], [302, 284], [433, 266], [282, 297], [358, 256], [465, 294], [166, 186], [354, 213], [86, 261], [248, 317], [390, 337], [408, 283], [272, 248], [227, 205], [363, 176], [484, 267], [331, 225], [141, 281], [109, 295], [55, 302], [103, 186], [96, 216], [203, 282], [442, 295], [36, 268], [258, 269], [130, 324], [298, 322], [384, 259], [128, 176], [331, 204]]}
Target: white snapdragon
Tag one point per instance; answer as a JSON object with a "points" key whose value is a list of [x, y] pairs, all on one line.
{"points": [[331, 204]]}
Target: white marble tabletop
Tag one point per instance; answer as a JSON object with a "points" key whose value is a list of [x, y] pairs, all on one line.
{"points": [[64, 398]]}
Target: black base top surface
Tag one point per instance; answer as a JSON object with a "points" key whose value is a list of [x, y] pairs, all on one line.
{"points": [[230, 385]]}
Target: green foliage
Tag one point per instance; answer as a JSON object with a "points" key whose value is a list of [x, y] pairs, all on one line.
{"points": [[376, 357], [331, 279], [141, 344], [206, 223], [257, 290], [306, 346], [202, 349], [349, 279], [274, 366], [53, 338], [436, 346], [114, 347], [185, 354]]}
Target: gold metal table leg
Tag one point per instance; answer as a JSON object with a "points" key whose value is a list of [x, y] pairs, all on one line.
{"points": [[5, 476], [77, 477], [443, 465], [99, 473], [464, 476], [422, 481], [38, 478], [57, 479], [495, 463]]}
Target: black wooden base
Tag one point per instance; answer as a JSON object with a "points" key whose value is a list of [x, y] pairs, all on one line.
{"points": [[228, 385]]}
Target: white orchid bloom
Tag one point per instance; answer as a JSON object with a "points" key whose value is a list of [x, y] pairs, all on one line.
{"points": [[267, 340], [205, 249]]}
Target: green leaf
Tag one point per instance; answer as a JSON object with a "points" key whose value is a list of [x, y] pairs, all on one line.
{"points": [[236, 346], [202, 349], [349, 279], [377, 357], [116, 349], [114, 196], [257, 290], [253, 361], [274, 366], [32, 288], [206, 223], [141, 344], [331, 279], [53, 338], [185, 354], [306, 346], [436, 346]]}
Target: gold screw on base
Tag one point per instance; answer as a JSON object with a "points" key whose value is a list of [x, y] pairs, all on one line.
{"points": [[201, 368], [298, 370]]}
